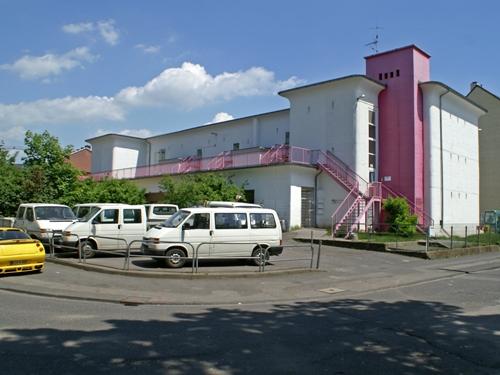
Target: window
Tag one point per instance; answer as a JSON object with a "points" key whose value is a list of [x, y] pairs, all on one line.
{"points": [[386, 75], [371, 146], [164, 210], [380, 76], [250, 196], [12, 234], [199, 153], [392, 74], [29, 214], [397, 72], [372, 141], [161, 154], [287, 138], [199, 221], [371, 161], [132, 216], [261, 221], [231, 221], [54, 213], [20, 212], [109, 216], [236, 146]]}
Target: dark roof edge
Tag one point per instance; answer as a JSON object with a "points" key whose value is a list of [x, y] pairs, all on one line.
{"points": [[399, 49], [453, 91], [331, 81], [482, 88]]}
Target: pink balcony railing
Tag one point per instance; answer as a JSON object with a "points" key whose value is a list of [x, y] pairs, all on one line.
{"points": [[278, 154]]}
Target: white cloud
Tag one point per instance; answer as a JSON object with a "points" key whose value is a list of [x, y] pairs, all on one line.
{"points": [[190, 86], [40, 67], [221, 117], [108, 31], [148, 49], [15, 133], [141, 133], [57, 111], [106, 28], [78, 28], [186, 87]]}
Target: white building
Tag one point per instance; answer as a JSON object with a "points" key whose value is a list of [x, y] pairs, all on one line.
{"points": [[341, 146]]}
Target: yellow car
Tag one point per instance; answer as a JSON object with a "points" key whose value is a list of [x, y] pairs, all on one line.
{"points": [[19, 253]]}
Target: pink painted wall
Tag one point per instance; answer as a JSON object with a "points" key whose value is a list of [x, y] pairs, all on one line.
{"points": [[400, 126]]}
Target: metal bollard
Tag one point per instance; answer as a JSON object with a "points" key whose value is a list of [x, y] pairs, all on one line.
{"points": [[465, 236], [451, 243], [319, 254]]}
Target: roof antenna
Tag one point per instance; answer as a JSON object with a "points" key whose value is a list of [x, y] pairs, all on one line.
{"points": [[374, 44]]}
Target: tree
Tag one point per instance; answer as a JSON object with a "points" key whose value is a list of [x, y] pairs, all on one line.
{"points": [[191, 190], [11, 179], [400, 218], [106, 191], [48, 174]]}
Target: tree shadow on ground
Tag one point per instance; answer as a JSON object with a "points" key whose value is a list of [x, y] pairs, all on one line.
{"points": [[348, 336]]}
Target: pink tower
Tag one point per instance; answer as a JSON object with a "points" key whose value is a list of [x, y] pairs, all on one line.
{"points": [[400, 126]]}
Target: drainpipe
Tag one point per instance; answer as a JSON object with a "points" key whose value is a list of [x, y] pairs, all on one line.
{"points": [[441, 153], [316, 198]]}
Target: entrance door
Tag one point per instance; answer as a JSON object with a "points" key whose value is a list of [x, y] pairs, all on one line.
{"points": [[307, 207]]}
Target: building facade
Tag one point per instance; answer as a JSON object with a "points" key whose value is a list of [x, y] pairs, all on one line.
{"points": [[489, 139], [335, 153]]}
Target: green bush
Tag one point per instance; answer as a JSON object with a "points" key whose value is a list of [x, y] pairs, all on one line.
{"points": [[399, 217]]}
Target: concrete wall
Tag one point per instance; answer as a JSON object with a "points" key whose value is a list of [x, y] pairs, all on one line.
{"points": [[263, 130], [333, 116], [489, 149], [118, 152], [460, 157]]}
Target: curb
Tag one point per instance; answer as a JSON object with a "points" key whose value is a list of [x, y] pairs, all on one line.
{"points": [[163, 275]]}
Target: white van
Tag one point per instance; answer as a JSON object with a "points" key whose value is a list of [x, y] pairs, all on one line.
{"points": [[107, 227], [222, 231], [41, 220], [159, 212]]}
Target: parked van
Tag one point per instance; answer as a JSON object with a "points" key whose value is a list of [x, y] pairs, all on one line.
{"points": [[159, 212], [107, 227], [41, 220], [224, 232]]}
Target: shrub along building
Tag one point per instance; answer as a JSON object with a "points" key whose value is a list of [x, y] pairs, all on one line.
{"points": [[342, 146]]}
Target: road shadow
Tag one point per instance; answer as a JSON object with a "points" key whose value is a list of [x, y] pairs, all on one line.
{"points": [[349, 336]]}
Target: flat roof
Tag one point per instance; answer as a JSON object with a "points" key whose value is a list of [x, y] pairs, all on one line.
{"points": [[333, 81], [453, 91], [189, 129], [412, 46]]}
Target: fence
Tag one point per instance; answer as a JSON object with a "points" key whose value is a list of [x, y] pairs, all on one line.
{"points": [[410, 237], [82, 248]]}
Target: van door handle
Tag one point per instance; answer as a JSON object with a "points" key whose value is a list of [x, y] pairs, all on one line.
{"points": [[211, 232], [119, 226]]}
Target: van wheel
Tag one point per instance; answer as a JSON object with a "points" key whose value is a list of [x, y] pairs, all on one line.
{"points": [[257, 253], [88, 248], [177, 258]]}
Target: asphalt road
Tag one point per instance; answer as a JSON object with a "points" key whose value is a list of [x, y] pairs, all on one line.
{"points": [[448, 324]]}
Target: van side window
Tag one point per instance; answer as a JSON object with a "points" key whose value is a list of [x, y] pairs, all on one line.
{"points": [[199, 221], [132, 215], [20, 212], [109, 216], [231, 221], [29, 214], [164, 210], [265, 220]]}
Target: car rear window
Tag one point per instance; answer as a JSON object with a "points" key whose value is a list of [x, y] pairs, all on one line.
{"points": [[13, 235], [164, 210], [262, 220]]}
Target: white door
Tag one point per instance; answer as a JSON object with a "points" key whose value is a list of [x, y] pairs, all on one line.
{"points": [[105, 228], [231, 235], [132, 227], [196, 230]]}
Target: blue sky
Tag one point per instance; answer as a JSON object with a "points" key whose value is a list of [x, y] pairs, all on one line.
{"points": [[79, 69]]}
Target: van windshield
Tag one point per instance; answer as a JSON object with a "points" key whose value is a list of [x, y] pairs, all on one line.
{"points": [[177, 218], [89, 214], [54, 213]]}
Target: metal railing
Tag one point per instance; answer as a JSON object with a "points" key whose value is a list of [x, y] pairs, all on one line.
{"points": [[192, 251]]}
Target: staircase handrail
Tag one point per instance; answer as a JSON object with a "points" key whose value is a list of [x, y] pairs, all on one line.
{"points": [[344, 168]]}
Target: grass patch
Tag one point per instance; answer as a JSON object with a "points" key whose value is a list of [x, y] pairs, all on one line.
{"points": [[389, 237]]}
